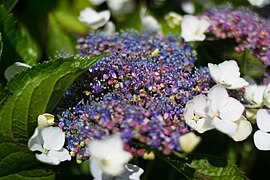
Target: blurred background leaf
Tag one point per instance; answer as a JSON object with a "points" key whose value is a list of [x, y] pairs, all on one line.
{"points": [[58, 40], [9, 4], [16, 45], [18, 162]]}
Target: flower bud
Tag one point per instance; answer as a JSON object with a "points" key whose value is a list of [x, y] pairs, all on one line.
{"points": [[189, 141], [45, 120]]}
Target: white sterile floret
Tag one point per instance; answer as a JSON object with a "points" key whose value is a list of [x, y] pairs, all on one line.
{"points": [[49, 141], [224, 110], [219, 111], [266, 96], [94, 19], [173, 19], [14, 69], [189, 142], [188, 7], [195, 114], [121, 7], [262, 136], [45, 120], [244, 129], [97, 2], [227, 74], [193, 28], [108, 156], [149, 23], [254, 94], [109, 28], [259, 3]]}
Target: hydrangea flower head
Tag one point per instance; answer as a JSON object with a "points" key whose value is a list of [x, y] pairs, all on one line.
{"points": [[136, 91], [250, 31]]}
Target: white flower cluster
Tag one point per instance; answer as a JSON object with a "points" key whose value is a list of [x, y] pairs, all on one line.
{"points": [[259, 97], [218, 110], [108, 157]]}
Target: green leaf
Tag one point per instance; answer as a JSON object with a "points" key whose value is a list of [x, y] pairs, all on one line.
{"points": [[58, 40], [17, 161], [3, 94], [205, 167], [69, 21], [1, 45], [215, 167], [9, 4], [37, 90], [16, 46], [251, 66]]}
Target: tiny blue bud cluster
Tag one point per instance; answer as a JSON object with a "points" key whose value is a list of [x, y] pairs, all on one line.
{"points": [[138, 90]]}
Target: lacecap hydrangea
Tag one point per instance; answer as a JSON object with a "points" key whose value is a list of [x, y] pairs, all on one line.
{"points": [[249, 30], [138, 90]]}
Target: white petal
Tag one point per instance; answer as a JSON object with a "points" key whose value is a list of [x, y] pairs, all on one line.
{"points": [[237, 83], [116, 5], [218, 97], [188, 7], [53, 137], [35, 142], [110, 154], [232, 111], [259, 3], [202, 124], [189, 111], [262, 140], [95, 169], [266, 96], [150, 24], [61, 155], [189, 142], [204, 23], [94, 19], [191, 29], [227, 74], [215, 72], [99, 148], [200, 103], [115, 163], [109, 28], [121, 7], [97, 2], [48, 160], [224, 126], [14, 69], [254, 94], [243, 131], [231, 69], [263, 119]]}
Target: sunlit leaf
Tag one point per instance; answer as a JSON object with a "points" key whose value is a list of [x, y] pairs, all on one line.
{"points": [[58, 40], [37, 90]]}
